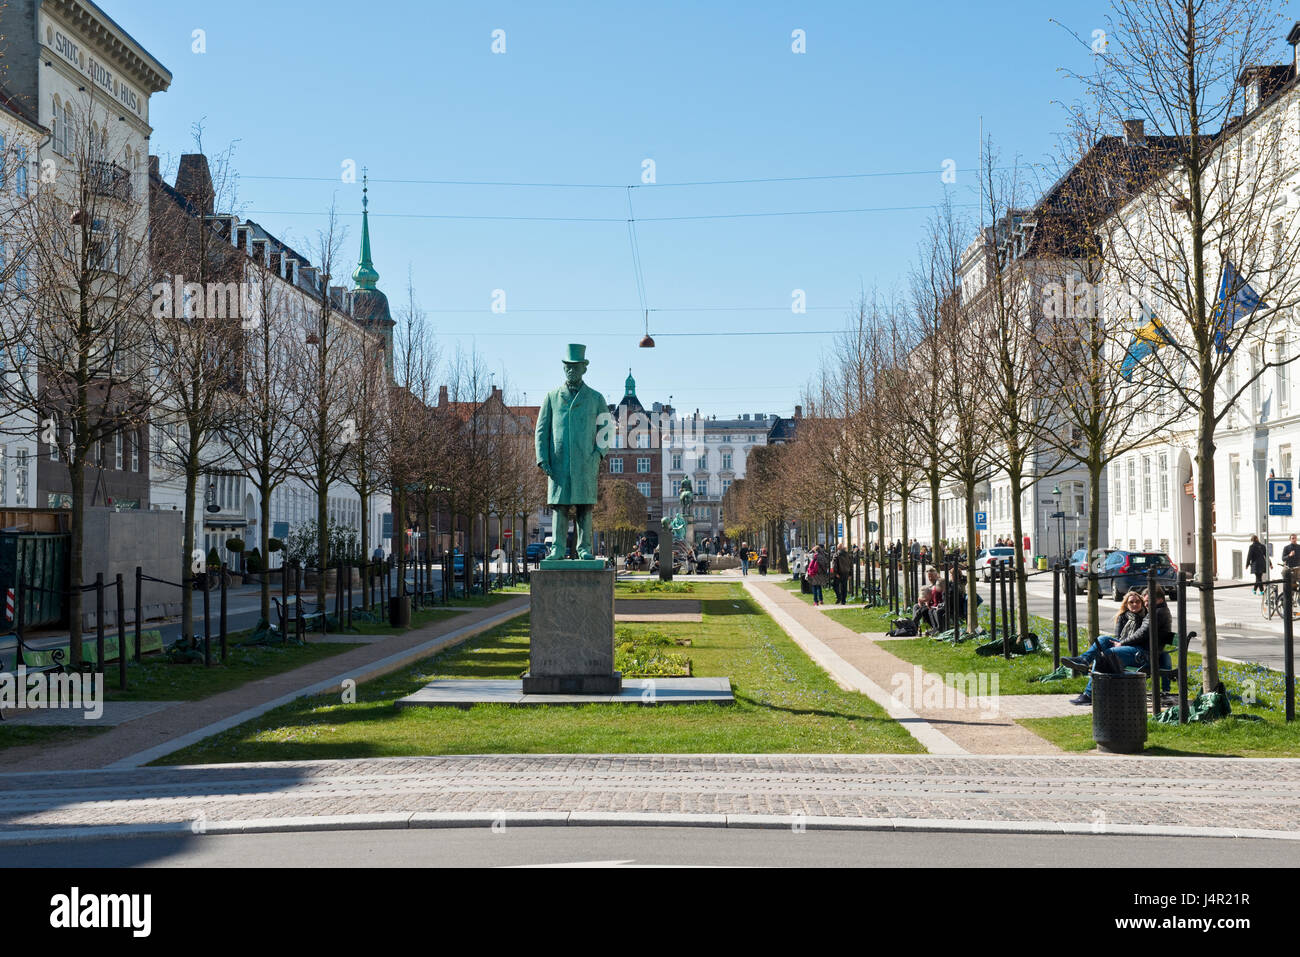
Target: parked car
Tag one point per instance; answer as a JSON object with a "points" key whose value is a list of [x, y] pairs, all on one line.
{"points": [[1081, 566], [1125, 570], [987, 556], [535, 552]]}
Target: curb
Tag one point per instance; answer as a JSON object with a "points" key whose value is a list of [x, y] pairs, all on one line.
{"points": [[505, 820]]}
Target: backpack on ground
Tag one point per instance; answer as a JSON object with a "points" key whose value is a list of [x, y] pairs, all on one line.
{"points": [[903, 628]]}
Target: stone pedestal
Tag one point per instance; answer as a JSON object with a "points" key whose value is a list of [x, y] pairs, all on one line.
{"points": [[571, 632]]}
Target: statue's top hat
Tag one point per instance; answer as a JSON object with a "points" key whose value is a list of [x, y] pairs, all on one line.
{"points": [[577, 353]]}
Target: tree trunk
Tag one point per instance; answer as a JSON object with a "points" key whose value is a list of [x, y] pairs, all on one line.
{"points": [[77, 473], [265, 537], [1205, 570], [187, 551], [972, 595], [1094, 543], [936, 546]]}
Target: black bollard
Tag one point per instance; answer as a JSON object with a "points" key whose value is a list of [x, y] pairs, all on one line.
{"points": [[19, 618]]}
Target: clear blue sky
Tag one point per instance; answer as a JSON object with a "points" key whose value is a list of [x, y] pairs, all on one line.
{"points": [[584, 93]]}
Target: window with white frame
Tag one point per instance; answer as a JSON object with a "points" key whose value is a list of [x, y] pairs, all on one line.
{"points": [[1132, 486], [726, 460], [1146, 483], [118, 441], [616, 466], [1234, 482], [4, 474], [20, 477], [726, 484], [677, 461], [135, 451], [643, 488], [643, 466], [1283, 376], [20, 171], [677, 488], [704, 487], [1162, 476], [1284, 461]]}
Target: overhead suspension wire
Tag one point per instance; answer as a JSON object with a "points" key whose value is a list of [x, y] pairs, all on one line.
{"points": [[636, 267], [612, 219], [703, 182]]}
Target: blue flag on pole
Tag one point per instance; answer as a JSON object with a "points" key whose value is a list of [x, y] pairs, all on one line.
{"points": [[1236, 300], [1146, 340]]}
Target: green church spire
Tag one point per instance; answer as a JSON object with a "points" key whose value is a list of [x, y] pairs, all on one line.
{"points": [[365, 275], [630, 384]]}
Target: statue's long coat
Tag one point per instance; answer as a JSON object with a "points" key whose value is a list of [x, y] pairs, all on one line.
{"points": [[567, 428]]}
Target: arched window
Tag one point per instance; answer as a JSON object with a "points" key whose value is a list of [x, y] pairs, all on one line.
{"points": [[56, 127]]}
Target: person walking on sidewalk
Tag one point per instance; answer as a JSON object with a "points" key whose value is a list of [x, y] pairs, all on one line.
{"points": [[744, 558], [1258, 562]]}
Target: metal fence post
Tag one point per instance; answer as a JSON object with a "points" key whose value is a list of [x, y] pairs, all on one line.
{"points": [[1056, 615], [20, 597], [1153, 632], [1288, 641], [1182, 647], [99, 622], [207, 620], [221, 619], [121, 632], [139, 608], [993, 601]]}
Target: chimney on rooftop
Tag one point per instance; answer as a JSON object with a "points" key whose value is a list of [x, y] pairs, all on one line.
{"points": [[798, 412], [442, 396], [194, 182], [1134, 132], [154, 169], [496, 392]]}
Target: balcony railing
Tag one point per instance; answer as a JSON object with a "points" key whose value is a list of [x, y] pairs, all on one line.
{"points": [[109, 179]]}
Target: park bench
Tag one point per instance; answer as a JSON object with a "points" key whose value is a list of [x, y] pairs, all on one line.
{"points": [[293, 610]]}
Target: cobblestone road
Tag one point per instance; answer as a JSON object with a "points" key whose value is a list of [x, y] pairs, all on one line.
{"points": [[1241, 795]]}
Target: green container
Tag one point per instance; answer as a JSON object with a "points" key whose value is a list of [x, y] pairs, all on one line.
{"points": [[42, 562]]}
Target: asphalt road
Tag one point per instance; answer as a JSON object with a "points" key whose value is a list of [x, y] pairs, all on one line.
{"points": [[652, 846], [1243, 631]]}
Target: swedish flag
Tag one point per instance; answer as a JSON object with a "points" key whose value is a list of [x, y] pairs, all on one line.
{"points": [[1236, 299], [1146, 340]]}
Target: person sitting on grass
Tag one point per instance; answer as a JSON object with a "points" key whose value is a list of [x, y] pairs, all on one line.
{"points": [[930, 595]]}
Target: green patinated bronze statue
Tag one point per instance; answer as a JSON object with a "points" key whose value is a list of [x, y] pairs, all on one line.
{"points": [[569, 450]]}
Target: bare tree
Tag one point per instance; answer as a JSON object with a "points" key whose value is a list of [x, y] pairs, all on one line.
{"points": [[1194, 72], [78, 343]]}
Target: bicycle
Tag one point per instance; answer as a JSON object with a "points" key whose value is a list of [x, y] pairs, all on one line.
{"points": [[1270, 604]]}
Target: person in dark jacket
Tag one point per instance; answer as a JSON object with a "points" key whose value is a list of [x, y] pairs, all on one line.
{"points": [[1133, 642], [1258, 563], [1291, 554], [842, 572]]}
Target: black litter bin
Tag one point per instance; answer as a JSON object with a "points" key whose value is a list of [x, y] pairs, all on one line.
{"points": [[804, 587], [1119, 712]]}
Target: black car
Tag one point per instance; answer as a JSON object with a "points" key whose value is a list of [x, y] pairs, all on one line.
{"points": [[1125, 570]]}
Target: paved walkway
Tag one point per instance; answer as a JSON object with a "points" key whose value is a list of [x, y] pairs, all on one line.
{"points": [[1075, 794], [180, 723], [976, 724]]}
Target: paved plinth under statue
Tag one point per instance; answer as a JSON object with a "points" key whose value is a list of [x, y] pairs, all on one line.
{"points": [[571, 632], [465, 692]]}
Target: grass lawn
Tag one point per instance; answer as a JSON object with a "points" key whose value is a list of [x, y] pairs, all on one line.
{"points": [[1253, 690], [158, 679], [784, 703], [18, 735]]}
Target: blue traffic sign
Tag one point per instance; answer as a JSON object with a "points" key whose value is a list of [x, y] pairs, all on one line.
{"points": [[982, 521], [1279, 496]]}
